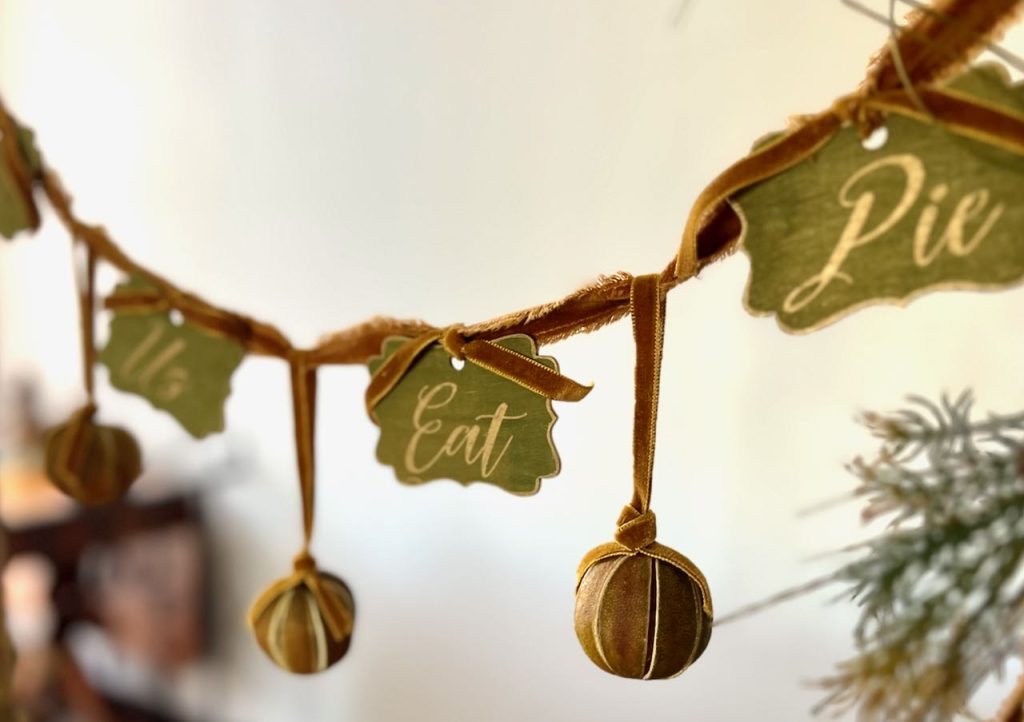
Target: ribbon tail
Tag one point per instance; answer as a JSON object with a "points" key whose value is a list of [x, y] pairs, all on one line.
{"points": [[763, 163], [395, 367], [527, 372]]}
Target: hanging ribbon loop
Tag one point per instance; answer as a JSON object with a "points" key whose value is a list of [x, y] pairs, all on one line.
{"points": [[637, 527], [523, 370], [303, 378]]}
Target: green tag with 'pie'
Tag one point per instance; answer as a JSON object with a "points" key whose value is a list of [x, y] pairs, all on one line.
{"points": [[466, 424], [851, 227]]}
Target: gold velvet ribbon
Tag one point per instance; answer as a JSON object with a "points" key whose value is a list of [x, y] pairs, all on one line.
{"points": [[637, 527], [938, 41], [525, 371], [70, 448], [86, 282], [250, 334], [69, 454], [304, 569]]}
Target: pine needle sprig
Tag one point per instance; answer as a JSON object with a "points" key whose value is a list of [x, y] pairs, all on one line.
{"points": [[941, 589]]}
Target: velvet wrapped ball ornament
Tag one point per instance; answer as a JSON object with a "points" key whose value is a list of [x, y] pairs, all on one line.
{"points": [[643, 610], [304, 621], [90, 462]]}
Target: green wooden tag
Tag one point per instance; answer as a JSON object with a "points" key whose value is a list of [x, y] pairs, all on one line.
{"points": [[466, 424], [179, 368], [852, 227], [15, 213]]}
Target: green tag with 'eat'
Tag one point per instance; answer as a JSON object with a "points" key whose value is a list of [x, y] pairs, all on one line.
{"points": [[851, 227], [466, 424], [177, 367]]}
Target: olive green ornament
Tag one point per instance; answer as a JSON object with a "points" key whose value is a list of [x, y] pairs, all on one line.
{"points": [[643, 610], [92, 463], [303, 622], [643, 613]]}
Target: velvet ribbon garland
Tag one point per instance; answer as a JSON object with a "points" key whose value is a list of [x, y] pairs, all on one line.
{"points": [[504, 362], [938, 41]]}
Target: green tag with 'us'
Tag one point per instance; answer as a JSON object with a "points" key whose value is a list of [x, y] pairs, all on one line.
{"points": [[466, 424], [177, 367], [851, 227]]}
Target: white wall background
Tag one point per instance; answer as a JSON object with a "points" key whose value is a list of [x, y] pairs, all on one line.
{"points": [[316, 163]]}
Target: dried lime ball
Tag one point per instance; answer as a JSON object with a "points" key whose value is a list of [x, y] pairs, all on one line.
{"points": [[90, 462], [304, 621], [643, 613]]}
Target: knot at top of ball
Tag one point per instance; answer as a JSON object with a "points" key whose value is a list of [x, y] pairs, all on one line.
{"points": [[642, 614], [636, 529]]}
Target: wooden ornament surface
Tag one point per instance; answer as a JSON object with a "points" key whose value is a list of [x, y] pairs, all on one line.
{"points": [[106, 465], [179, 368], [642, 616], [466, 424], [290, 626], [852, 227]]}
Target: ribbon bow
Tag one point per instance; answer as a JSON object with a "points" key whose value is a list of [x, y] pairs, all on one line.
{"points": [[523, 370]]}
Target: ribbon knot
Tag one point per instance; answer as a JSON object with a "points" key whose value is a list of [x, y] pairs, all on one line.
{"points": [[636, 529], [454, 342], [304, 562], [855, 109], [516, 367]]}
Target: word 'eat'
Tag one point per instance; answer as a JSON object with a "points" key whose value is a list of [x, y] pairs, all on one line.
{"points": [[462, 439]]}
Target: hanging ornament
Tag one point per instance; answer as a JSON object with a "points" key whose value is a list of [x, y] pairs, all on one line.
{"points": [[489, 420], [643, 610], [92, 463], [304, 621]]}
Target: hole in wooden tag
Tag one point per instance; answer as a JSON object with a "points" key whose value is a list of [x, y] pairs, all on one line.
{"points": [[457, 363], [877, 140], [176, 317]]}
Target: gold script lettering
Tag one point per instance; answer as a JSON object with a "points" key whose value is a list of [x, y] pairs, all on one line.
{"points": [[952, 238], [174, 377], [461, 439], [853, 234]]}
